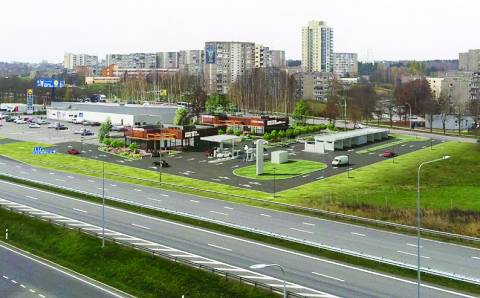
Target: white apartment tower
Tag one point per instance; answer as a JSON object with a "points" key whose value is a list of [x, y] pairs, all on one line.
{"points": [[70, 60], [317, 47]]}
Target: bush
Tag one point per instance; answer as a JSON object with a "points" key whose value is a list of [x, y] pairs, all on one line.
{"points": [[133, 147], [267, 136], [289, 133], [107, 141], [238, 133], [117, 144], [230, 131], [221, 132], [274, 135], [281, 134], [331, 126]]}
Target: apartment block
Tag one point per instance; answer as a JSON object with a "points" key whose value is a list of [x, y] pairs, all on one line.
{"points": [[167, 60], [133, 60], [435, 86], [71, 61], [191, 61], [314, 85], [317, 47], [469, 61], [345, 64]]}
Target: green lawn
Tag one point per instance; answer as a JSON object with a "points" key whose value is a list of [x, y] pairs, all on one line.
{"points": [[287, 170], [398, 140]]}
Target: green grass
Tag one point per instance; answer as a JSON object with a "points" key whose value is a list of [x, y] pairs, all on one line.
{"points": [[398, 140], [129, 270], [287, 170]]}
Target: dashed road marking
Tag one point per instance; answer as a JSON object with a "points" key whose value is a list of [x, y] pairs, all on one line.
{"points": [[228, 208], [221, 213], [139, 226], [327, 276], [300, 230], [410, 254], [414, 245], [79, 210], [358, 234], [194, 201], [265, 215], [308, 224], [33, 198]]}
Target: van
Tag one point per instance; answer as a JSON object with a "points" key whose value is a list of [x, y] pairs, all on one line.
{"points": [[340, 160]]}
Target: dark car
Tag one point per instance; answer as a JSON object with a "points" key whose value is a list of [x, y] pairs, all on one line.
{"points": [[61, 127], [389, 153], [73, 151], [161, 163]]}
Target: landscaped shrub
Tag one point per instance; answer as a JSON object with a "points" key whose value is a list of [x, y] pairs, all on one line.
{"points": [[331, 126], [133, 147], [117, 144], [267, 136], [107, 141], [289, 133], [281, 134], [221, 132], [230, 131], [274, 135], [238, 132]]}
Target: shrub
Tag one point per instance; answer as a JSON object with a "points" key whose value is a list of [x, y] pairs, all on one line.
{"points": [[107, 141], [296, 132], [274, 135], [289, 133], [267, 136], [230, 131], [281, 134], [133, 147], [238, 132], [117, 144], [221, 132], [331, 126]]}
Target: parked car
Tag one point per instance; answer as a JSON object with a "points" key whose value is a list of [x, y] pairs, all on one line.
{"points": [[34, 125], [61, 127], [84, 132], [2, 116], [161, 163], [73, 151], [389, 153], [77, 121], [42, 121], [20, 121], [10, 119], [340, 160], [53, 125]]}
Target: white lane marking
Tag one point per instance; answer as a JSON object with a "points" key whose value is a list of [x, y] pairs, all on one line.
{"points": [[308, 224], [193, 201], [30, 197], [410, 254], [23, 286], [229, 208], [79, 210], [13, 281], [327, 276], [70, 177], [414, 245], [136, 189], [41, 296], [265, 215], [221, 213], [152, 199], [219, 247], [52, 173], [300, 230], [90, 180], [23, 172], [139, 226], [61, 180], [358, 234], [476, 258], [6, 277], [164, 195], [34, 170], [113, 185]]}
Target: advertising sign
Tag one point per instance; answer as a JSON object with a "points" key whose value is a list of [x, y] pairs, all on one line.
{"points": [[210, 54], [41, 150], [163, 92], [29, 101], [50, 83]]}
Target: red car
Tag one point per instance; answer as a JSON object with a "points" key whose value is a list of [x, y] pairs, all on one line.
{"points": [[73, 151], [389, 153]]}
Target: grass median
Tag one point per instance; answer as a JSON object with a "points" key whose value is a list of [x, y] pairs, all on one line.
{"points": [[132, 271], [343, 258], [397, 140]]}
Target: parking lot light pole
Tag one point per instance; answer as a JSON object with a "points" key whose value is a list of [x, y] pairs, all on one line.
{"points": [[274, 181], [103, 203], [262, 266], [410, 114], [419, 216]]}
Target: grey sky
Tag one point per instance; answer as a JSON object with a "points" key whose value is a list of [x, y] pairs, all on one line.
{"points": [[32, 30]]}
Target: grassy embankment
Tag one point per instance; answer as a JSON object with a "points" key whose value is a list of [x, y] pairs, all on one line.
{"points": [[384, 190], [286, 170], [397, 141], [126, 269]]}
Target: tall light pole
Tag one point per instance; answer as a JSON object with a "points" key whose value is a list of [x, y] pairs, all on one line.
{"points": [[103, 203], [274, 182], [262, 266], [418, 218], [410, 114]]}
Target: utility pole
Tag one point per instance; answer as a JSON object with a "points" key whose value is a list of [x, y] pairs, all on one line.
{"points": [[103, 203]]}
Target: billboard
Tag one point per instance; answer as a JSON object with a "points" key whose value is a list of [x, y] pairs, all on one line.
{"points": [[163, 92], [29, 101], [210, 54], [50, 83]]}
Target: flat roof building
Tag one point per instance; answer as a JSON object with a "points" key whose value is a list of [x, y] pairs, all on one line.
{"points": [[347, 139]]}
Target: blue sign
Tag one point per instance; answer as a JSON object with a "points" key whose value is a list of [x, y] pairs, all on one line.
{"points": [[210, 54], [50, 83], [41, 150]]}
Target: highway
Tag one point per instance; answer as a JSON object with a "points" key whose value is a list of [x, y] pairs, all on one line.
{"points": [[443, 257], [23, 275], [308, 275]]}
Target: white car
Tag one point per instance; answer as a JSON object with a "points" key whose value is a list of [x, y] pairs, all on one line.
{"points": [[20, 121], [53, 125], [34, 125]]}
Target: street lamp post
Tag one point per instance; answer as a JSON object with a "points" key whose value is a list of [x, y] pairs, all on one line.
{"points": [[274, 181], [419, 216], [103, 203], [262, 266], [410, 114]]}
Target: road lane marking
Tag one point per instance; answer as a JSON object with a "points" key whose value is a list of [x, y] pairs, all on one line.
{"points": [[229, 208], [139, 226], [152, 199], [164, 195], [265, 215], [52, 173], [414, 245], [61, 180], [32, 291], [90, 180], [13, 281], [476, 258], [327, 276], [79, 210], [113, 185], [308, 224], [219, 247], [193, 201], [70, 177], [300, 230], [23, 286], [358, 234], [23, 172], [33, 198], [410, 254], [221, 213]]}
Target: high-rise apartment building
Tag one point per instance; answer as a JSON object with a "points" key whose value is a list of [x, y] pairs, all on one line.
{"points": [[71, 61], [225, 62], [469, 61], [475, 87], [133, 61], [167, 60], [313, 85], [277, 59], [264, 57], [191, 61], [317, 47], [345, 64]]}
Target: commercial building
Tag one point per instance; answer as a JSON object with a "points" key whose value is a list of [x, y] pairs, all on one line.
{"points": [[345, 64], [435, 86], [133, 61], [119, 114], [71, 61], [167, 60], [251, 124], [101, 80], [313, 85], [347, 139], [317, 47], [191, 61], [469, 61], [225, 62]]}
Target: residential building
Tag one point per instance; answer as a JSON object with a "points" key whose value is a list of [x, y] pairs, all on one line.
{"points": [[71, 61], [317, 47], [475, 87], [435, 86], [225, 61], [277, 59], [191, 61], [313, 85], [261, 56], [469, 61], [345, 64], [167, 60], [133, 60], [114, 70], [456, 86]]}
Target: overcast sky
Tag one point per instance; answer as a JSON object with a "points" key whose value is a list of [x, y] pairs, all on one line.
{"points": [[33, 30]]}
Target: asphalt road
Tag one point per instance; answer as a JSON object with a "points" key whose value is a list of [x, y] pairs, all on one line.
{"points": [[23, 275], [444, 257], [312, 275]]}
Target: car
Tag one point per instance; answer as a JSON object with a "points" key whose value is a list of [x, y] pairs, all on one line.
{"points": [[340, 160], [94, 123], [42, 121], [34, 125], [73, 151], [10, 119], [83, 132], [77, 121], [61, 127], [389, 153], [53, 125], [118, 128], [163, 163], [20, 121], [2, 116]]}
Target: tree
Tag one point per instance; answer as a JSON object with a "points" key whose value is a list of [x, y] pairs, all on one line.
{"points": [[301, 111], [104, 130], [365, 98], [181, 117], [217, 104], [198, 100], [331, 110]]}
